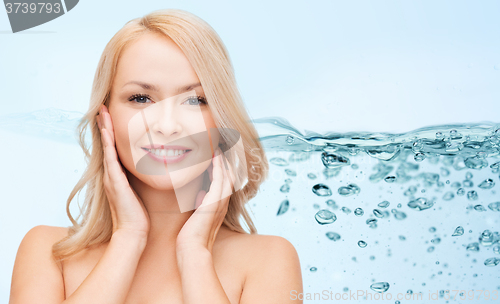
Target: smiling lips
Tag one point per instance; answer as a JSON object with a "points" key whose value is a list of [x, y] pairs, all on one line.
{"points": [[167, 154]]}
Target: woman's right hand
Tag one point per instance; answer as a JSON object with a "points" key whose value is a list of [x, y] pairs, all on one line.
{"points": [[127, 209]]}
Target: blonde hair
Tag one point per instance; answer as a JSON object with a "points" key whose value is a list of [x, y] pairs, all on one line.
{"points": [[208, 56]]}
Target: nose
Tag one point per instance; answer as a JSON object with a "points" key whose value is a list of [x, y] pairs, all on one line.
{"points": [[166, 119]]}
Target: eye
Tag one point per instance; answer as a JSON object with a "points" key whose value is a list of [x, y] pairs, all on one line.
{"points": [[139, 98], [198, 100]]}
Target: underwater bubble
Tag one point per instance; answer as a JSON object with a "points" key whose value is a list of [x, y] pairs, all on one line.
{"points": [[380, 286], [331, 203], [448, 196], [321, 190], [300, 156], [290, 172], [290, 139], [399, 205], [278, 161], [399, 215], [371, 221], [468, 175], [479, 208], [382, 171], [468, 183], [487, 184], [492, 262], [390, 179], [348, 190], [313, 269], [362, 244], [486, 238], [354, 166], [383, 204], [419, 157], [378, 213], [402, 237], [397, 302], [475, 162], [461, 191], [410, 191], [472, 195], [417, 146], [494, 206], [346, 210], [458, 231], [312, 176], [316, 206], [495, 167], [329, 173], [432, 229], [358, 212], [333, 236], [324, 217], [496, 249], [420, 204], [331, 160], [436, 241], [473, 247], [285, 188], [283, 207], [288, 181], [456, 185], [386, 153], [430, 249], [445, 172], [409, 291]]}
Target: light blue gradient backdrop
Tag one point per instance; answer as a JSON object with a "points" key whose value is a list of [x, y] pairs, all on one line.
{"points": [[390, 66]]}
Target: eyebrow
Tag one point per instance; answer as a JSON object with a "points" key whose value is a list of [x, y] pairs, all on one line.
{"points": [[151, 87]]}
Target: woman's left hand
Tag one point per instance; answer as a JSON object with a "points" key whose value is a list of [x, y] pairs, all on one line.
{"points": [[200, 230]]}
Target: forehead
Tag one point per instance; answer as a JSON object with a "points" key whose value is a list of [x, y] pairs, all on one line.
{"points": [[154, 58]]}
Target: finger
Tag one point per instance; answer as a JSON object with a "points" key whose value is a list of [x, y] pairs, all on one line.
{"points": [[114, 168], [215, 190], [107, 123]]}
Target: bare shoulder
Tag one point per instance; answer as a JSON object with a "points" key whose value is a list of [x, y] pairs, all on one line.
{"points": [[36, 275], [272, 267]]}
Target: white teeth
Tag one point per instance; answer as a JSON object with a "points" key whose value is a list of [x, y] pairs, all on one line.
{"points": [[169, 152]]}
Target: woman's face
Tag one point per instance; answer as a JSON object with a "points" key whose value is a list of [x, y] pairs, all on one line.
{"points": [[154, 103]]}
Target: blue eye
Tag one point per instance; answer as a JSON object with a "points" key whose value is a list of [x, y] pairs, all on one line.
{"points": [[141, 97], [200, 99]]}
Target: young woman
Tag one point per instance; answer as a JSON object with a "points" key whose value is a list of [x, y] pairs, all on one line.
{"points": [[166, 116]]}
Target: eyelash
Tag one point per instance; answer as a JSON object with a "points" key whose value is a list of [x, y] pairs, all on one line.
{"points": [[131, 98]]}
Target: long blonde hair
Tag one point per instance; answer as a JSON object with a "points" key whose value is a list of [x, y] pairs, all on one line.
{"points": [[210, 60]]}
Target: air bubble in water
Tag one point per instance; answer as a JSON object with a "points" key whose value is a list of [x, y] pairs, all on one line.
{"points": [[378, 213], [486, 238], [362, 244], [331, 160], [333, 236], [380, 286], [311, 175], [492, 262], [420, 204], [346, 210], [458, 231], [313, 269], [419, 157], [448, 196], [285, 188], [494, 206], [468, 175], [487, 184], [390, 179], [473, 247], [324, 217], [321, 190], [349, 190], [399, 215], [290, 172], [290, 139], [461, 191], [278, 161], [283, 207], [358, 212], [472, 195], [383, 204], [479, 208], [475, 162]]}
